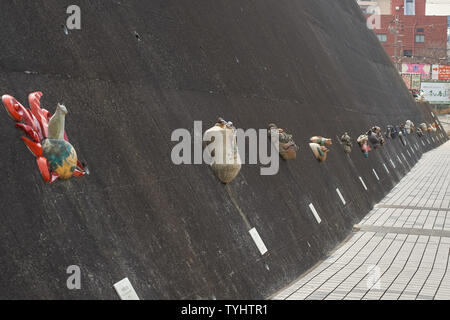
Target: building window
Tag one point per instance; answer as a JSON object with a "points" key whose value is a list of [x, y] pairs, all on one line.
{"points": [[420, 38], [410, 7], [382, 37], [421, 30], [407, 53]]}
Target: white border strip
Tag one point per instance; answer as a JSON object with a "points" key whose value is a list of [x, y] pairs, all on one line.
{"points": [[376, 175], [340, 196], [314, 211], [362, 182], [392, 162], [258, 241]]}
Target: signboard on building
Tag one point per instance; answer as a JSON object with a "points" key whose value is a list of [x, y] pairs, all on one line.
{"points": [[435, 72], [436, 92], [440, 72], [407, 79], [425, 77], [444, 72], [416, 68], [424, 70], [437, 8], [415, 82]]}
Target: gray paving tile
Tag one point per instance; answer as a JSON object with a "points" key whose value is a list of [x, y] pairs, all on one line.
{"points": [[407, 238]]}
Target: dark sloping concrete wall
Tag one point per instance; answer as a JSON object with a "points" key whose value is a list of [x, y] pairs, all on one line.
{"points": [[310, 66]]}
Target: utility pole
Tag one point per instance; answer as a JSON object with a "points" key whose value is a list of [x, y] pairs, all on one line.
{"points": [[393, 28]]}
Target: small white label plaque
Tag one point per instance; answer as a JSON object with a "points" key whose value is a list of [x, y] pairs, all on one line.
{"points": [[376, 175], [314, 211], [362, 182], [340, 196], [125, 290], [392, 162], [258, 241]]}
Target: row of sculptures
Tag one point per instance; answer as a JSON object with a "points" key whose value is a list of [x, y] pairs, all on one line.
{"points": [[320, 146], [374, 138], [56, 157]]}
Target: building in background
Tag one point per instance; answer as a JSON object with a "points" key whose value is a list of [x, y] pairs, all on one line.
{"points": [[418, 44], [448, 37], [407, 34], [383, 5]]}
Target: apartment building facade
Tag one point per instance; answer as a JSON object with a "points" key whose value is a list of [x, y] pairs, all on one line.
{"points": [[406, 33]]}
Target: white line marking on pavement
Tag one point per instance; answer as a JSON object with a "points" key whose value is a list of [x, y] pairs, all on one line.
{"points": [[384, 165]]}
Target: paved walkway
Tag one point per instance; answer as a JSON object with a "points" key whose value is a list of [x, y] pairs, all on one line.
{"points": [[444, 119], [402, 248]]}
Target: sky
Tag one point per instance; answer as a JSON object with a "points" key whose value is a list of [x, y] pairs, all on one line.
{"points": [[438, 8]]}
